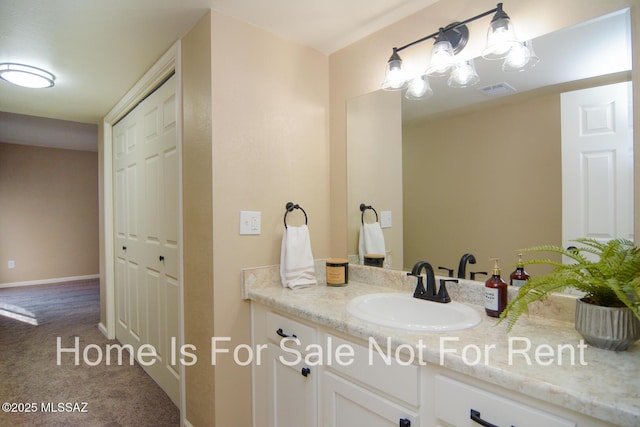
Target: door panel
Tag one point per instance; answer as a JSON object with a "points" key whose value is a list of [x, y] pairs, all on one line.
{"points": [[597, 163], [146, 231]]}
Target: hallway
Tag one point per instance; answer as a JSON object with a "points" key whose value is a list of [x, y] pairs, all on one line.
{"points": [[31, 320]]}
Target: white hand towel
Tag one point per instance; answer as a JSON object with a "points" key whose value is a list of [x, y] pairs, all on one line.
{"points": [[371, 240], [296, 260]]}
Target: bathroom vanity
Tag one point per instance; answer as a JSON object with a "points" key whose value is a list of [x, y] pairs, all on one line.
{"points": [[324, 367]]}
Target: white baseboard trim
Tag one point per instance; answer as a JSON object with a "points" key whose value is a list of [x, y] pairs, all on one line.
{"points": [[103, 329], [48, 281]]}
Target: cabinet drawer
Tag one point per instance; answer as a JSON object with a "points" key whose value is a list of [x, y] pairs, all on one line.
{"points": [[346, 404], [454, 402], [279, 327], [370, 368]]}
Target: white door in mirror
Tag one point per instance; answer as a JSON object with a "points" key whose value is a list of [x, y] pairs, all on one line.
{"points": [[597, 163]]}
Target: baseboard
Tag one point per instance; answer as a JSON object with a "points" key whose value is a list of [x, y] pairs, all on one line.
{"points": [[103, 329], [48, 281]]}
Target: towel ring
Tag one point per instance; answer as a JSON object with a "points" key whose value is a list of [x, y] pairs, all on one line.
{"points": [[363, 208], [290, 207]]}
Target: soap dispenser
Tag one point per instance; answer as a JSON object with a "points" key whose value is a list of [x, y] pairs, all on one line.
{"points": [[519, 277], [495, 292]]}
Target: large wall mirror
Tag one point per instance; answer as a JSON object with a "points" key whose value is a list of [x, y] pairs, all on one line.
{"points": [[462, 172]]}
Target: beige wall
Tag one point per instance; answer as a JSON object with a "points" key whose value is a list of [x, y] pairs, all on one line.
{"points": [[487, 182], [197, 220], [48, 213], [358, 69], [255, 137], [374, 132], [270, 146]]}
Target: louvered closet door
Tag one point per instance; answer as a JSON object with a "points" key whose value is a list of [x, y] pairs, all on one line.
{"points": [[146, 231]]}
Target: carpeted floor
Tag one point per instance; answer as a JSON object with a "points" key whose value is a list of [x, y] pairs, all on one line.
{"points": [[31, 379]]}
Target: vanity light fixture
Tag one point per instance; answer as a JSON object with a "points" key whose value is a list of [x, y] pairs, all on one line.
{"points": [[419, 88], [26, 75], [521, 57], [441, 55], [463, 75], [450, 40], [500, 36]]}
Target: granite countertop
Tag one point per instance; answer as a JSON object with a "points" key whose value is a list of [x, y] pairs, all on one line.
{"points": [[598, 383]]}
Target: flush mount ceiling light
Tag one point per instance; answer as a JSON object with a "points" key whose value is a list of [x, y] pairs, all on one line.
{"points": [[450, 40], [26, 75]]}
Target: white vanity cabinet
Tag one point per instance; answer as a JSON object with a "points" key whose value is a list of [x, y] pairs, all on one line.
{"points": [[462, 401], [374, 390], [459, 404], [285, 391], [370, 391], [292, 391]]}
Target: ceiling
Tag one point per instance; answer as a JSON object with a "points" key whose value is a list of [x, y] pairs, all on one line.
{"points": [[98, 49]]}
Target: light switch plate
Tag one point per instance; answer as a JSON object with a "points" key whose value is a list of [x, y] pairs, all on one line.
{"points": [[250, 222], [385, 219]]}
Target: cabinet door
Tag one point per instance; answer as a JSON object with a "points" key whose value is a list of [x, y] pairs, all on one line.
{"points": [[456, 403], [292, 391], [346, 405]]}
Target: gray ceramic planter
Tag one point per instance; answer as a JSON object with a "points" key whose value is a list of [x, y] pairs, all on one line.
{"points": [[610, 328]]}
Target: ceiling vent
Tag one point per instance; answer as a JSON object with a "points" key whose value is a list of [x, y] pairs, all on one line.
{"points": [[497, 89]]}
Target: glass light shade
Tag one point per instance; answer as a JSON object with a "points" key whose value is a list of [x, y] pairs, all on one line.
{"points": [[26, 76], [419, 88], [500, 38], [394, 77], [520, 58], [441, 58], [463, 75]]}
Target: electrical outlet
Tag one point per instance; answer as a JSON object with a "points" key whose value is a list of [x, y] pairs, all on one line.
{"points": [[250, 222], [12, 264]]}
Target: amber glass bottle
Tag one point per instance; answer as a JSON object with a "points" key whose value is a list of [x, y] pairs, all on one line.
{"points": [[495, 292], [519, 277]]}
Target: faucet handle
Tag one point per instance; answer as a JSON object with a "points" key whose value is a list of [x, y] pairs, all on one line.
{"points": [[420, 291], [449, 270], [472, 274], [443, 294]]}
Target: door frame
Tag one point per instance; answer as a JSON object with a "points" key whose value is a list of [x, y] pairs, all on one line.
{"points": [[160, 71]]}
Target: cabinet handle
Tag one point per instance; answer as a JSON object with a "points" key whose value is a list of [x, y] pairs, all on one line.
{"points": [[161, 258], [283, 335], [305, 372], [124, 248], [404, 422], [475, 416]]}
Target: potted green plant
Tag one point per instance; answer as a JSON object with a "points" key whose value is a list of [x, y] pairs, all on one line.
{"points": [[608, 315]]}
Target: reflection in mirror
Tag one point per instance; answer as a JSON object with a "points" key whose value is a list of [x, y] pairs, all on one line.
{"points": [[476, 174]]}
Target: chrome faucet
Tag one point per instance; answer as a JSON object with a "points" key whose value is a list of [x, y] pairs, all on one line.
{"points": [[429, 292]]}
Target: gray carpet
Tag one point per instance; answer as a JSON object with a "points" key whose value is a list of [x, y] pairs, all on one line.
{"points": [[29, 373]]}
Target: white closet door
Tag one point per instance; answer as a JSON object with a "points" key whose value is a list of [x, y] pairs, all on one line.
{"points": [[597, 163], [147, 252]]}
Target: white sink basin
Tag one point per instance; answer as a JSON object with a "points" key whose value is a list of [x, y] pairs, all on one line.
{"points": [[405, 312]]}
